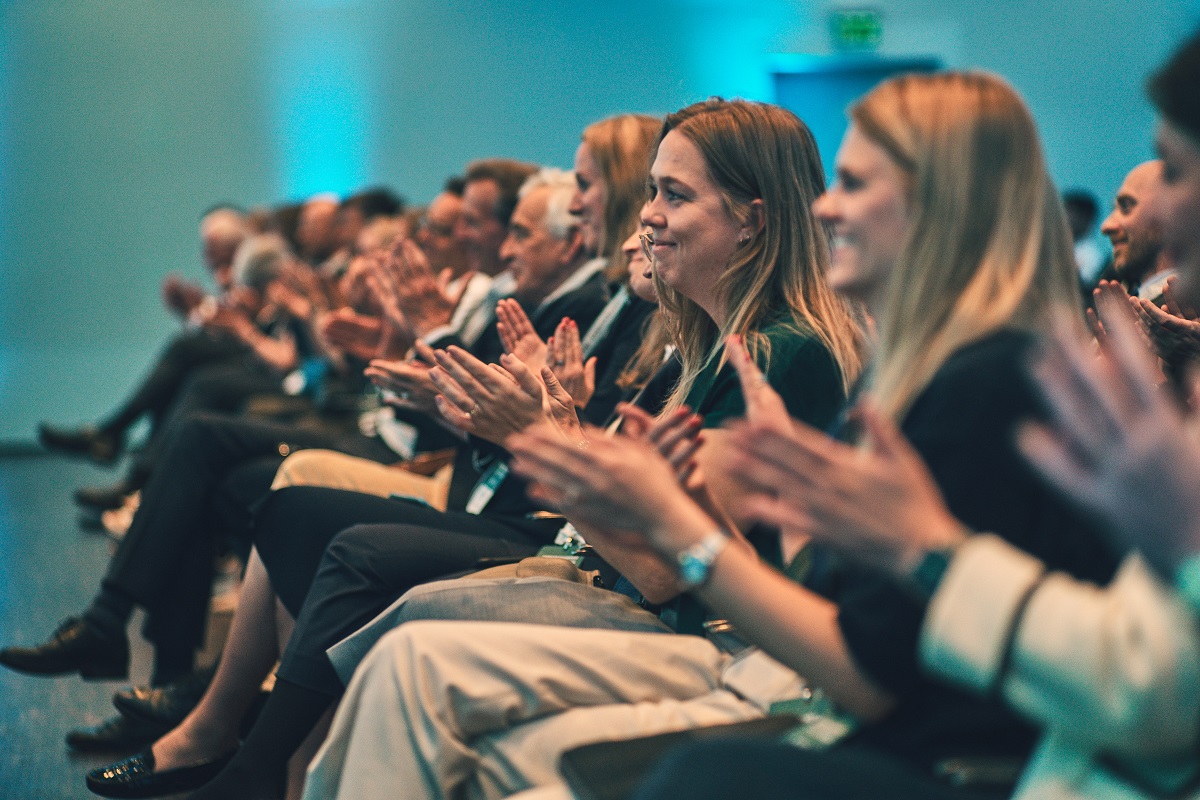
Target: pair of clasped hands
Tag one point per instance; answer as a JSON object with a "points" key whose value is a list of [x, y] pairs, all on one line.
{"points": [[535, 381], [1113, 440]]}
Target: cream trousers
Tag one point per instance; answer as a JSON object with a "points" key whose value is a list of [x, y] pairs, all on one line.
{"points": [[485, 709], [335, 470]]}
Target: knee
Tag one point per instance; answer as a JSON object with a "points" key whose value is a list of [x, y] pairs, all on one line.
{"points": [[308, 468], [196, 429], [352, 549]]}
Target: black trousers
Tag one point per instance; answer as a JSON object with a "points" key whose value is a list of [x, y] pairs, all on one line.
{"points": [[164, 563], [769, 770], [335, 578], [187, 351], [220, 388]]}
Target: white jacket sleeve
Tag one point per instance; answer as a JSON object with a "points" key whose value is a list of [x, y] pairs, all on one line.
{"points": [[1114, 669]]}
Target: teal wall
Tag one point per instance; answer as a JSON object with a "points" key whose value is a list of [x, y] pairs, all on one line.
{"points": [[120, 120]]}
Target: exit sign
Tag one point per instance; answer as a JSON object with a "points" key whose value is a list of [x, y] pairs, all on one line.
{"points": [[856, 28]]}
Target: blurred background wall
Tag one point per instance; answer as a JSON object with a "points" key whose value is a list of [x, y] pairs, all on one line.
{"points": [[121, 120]]}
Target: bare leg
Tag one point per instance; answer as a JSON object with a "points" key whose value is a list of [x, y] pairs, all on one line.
{"points": [[250, 652]]}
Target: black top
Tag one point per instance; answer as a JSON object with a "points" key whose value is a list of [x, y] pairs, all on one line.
{"points": [[613, 353], [798, 366], [963, 425]]}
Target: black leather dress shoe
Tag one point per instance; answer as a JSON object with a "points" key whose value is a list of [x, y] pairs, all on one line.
{"points": [[117, 735], [74, 647], [165, 705], [100, 446], [102, 498], [135, 777]]}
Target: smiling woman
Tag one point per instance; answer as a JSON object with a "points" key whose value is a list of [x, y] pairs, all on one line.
{"points": [[610, 171], [735, 246]]}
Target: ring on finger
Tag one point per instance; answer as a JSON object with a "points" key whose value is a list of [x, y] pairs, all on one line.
{"points": [[474, 410]]}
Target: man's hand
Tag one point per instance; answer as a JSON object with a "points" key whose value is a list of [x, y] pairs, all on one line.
{"points": [[518, 336], [355, 334], [565, 358], [420, 297], [181, 296]]}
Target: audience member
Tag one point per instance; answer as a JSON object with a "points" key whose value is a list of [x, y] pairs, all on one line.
{"points": [[955, 385], [734, 252], [317, 229], [1138, 262], [222, 230]]}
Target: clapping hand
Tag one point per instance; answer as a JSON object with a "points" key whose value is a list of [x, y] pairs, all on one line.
{"points": [[518, 335], [409, 379], [495, 401], [416, 296], [179, 295], [1117, 444], [565, 358], [352, 333], [619, 483], [1176, 336]]}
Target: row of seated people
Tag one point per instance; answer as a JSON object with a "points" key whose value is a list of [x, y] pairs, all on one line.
{"points": [[271, 316], [861, 427]]}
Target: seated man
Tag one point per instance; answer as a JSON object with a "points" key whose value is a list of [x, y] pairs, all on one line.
{"points": [[221, 231]]}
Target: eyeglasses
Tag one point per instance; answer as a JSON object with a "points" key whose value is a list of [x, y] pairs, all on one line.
{"points": [[647, 240]]}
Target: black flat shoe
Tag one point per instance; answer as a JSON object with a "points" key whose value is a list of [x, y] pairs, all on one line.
{"points": [[100, 446], [164, 705], [102, 498], [135, 777], [117, 735], [74, 647]]}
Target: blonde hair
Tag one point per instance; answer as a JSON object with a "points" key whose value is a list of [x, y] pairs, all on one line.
{"points": [[621, 147], [988, 244], [756, 151]]}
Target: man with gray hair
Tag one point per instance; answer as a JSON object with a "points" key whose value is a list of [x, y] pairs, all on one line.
{"points": [[544, 247], [222, 230]]}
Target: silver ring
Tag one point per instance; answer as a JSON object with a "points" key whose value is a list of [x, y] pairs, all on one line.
{"points": [[404, 395], [474, 411]]}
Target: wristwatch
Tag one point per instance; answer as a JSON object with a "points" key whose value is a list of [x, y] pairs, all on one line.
{"points": [[695, 562]]}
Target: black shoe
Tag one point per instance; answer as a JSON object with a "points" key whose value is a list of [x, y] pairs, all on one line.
{"points": [[102, 498], [75, 647], [117, 735], [98, 445], [135, 777], [164, 705]]}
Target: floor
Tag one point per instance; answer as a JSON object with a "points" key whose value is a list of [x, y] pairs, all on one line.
{"points": [[49, 569]]}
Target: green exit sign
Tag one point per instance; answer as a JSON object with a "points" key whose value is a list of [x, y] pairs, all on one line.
{"points": [[856, 28]]}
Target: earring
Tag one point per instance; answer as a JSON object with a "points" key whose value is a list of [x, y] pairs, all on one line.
{"points": [[745, 237]]}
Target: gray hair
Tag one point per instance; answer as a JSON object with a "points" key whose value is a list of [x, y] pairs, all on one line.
{"points": [[224, 225], [259, 260], [557, 219]]}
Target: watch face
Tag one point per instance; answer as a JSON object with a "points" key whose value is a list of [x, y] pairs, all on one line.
{"points": [[693, 571]]}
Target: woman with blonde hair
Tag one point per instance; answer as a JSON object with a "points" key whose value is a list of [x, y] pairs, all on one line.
{"points": [[947, 227], [610, 169], [733, 244]]}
